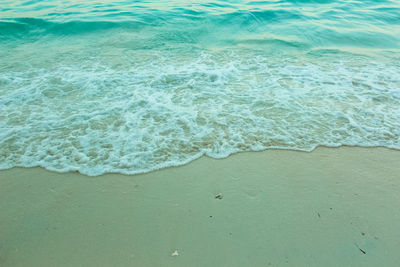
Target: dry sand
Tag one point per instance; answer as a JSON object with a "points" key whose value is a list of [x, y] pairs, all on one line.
{"points": [[330, 207]]}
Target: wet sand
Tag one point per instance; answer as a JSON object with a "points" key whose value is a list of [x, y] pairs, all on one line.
{"points": [[330, 207]]}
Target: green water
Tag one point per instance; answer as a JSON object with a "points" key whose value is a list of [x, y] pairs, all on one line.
{"points": [[133, 86]]}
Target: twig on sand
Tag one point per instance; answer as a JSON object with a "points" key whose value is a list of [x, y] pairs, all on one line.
{"points": [[363, 251]]}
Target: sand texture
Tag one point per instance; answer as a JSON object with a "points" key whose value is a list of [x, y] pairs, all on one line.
{"points": [[330, 207]]}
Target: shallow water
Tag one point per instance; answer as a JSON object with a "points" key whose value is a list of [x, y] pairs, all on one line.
{"points": [[131, 87]]}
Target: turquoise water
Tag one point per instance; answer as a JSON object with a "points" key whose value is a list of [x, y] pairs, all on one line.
{"points": [[133, 86]]}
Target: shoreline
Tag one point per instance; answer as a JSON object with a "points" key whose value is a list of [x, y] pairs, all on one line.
{"points": [[204, 155], [330, 207]]}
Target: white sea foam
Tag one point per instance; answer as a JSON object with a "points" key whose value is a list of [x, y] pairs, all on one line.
{"points": [[162, 110]]}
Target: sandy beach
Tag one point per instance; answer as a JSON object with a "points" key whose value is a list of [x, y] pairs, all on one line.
{"points": [[330, 207], [199, 133]]}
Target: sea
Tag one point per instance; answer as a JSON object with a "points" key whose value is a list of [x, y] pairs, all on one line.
{"points": [[134, 86]]}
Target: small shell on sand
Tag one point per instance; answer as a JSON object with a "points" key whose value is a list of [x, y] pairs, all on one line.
{"points": [[175, 253]]}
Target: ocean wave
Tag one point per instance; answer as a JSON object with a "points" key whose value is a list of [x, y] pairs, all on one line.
{"points": [[170, 111], [126, 87]]}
